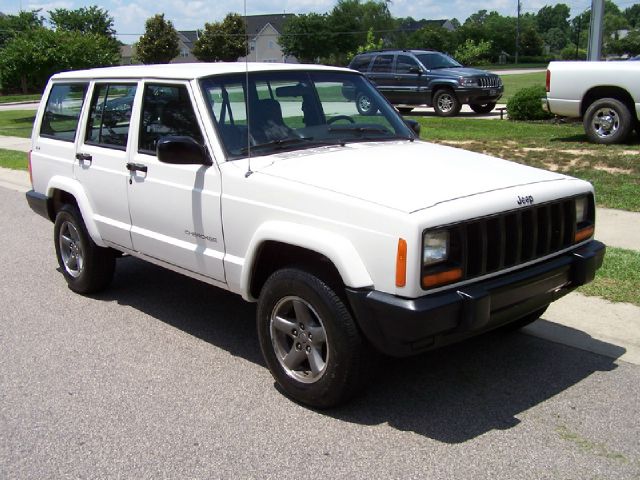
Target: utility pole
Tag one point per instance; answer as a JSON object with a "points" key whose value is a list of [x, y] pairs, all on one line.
{"points": [[594, 52], [518, 31]]}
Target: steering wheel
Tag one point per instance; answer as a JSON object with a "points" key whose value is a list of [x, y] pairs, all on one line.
{"points": [[340, 117]]}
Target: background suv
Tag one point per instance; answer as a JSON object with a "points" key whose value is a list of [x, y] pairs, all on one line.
{"points": [[426, 77]]}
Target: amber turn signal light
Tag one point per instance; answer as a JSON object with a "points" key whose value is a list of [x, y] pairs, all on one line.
{"points": [[584, 234], [401, 263], [441, 278]]}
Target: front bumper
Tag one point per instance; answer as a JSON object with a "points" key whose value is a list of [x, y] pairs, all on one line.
{"points": [[479, 95], [400, 327]]}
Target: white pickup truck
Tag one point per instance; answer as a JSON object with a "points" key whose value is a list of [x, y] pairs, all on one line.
{"points": [[606, 95], [265, 180]]}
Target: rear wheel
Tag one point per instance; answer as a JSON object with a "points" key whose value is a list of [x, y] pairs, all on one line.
{"points": [[446, 103], [309, 339], [607, 121], [482, 107], [86, 267], [365, 105]]}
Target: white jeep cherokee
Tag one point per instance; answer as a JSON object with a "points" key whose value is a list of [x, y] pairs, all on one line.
{"points": [[348, 231]]}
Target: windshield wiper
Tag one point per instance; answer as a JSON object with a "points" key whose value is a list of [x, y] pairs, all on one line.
{"points": [[348, 128], [277, 144]]}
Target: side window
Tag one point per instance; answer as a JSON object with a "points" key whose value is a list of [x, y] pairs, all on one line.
{"points": [[166, 111], [62, 113], [405, 63], [110, 115], [382, 64], [361, 63]]}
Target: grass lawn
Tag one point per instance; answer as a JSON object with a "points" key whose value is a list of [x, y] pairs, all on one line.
{"points": [[619, 277], [513, 83], [13, 159], [17, 123], [614, 170], [20, 98]]}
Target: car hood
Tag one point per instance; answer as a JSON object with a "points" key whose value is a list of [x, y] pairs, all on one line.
{"points": [[463, 72], [406, 176]]}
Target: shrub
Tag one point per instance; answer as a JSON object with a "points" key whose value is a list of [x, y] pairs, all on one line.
{"points": [[526, 104]]}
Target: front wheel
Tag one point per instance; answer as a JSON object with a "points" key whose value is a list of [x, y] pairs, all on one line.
{"points": [[446, 103], [309, 339], [86, 267], [482, 107], [607, 121]]}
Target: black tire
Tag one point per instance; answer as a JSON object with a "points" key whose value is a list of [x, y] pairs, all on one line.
{"points": [[524, 321], [86, 267], [607, 121], [365, 105], [296, 310], [405, 110], [446, 103], [482, 107]]}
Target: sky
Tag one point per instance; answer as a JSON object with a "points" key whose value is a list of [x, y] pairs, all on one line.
{"points": [[130, 15]]}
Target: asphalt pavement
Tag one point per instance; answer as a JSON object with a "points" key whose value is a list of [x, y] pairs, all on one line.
{"points": [[161, 377]]}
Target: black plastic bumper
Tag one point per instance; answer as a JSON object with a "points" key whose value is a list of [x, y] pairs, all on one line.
{"points": [[400, 327], [479, 95], [39, 203]]}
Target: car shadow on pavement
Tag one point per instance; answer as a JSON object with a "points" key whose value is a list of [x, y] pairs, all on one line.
{"points": [[450, 395]]}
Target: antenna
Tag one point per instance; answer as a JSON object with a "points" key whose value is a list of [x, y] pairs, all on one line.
{"points": [[246, 72]]}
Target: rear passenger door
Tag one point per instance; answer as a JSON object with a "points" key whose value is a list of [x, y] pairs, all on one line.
{"points": [[382, 75], [101, 158], [175, 209]]}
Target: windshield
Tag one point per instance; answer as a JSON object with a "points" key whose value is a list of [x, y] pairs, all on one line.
{"points": [[435, 60], [267, 112]]}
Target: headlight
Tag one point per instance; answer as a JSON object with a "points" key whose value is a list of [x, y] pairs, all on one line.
{"points": [[468, 82], [585, 217], [582, 209], [435, 247]]}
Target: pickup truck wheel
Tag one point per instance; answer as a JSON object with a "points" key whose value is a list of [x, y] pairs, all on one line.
{"points": [[607, 121], [309, 339], [482, 107], [446, 104], [365, 105], [86, 267]]}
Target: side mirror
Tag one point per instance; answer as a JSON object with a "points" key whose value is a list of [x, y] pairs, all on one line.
{"points": [[417, 70], [414, 126], [181, 151]]}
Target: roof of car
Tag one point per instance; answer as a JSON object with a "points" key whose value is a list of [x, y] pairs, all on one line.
{"points": [[186, 71]]}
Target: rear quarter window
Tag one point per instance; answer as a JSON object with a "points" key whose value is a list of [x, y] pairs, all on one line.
{"points": [[62, 112], [361, 63]]}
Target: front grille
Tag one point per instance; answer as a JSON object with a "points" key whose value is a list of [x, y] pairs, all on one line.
{"points": [[490, 81], [508, 239]]}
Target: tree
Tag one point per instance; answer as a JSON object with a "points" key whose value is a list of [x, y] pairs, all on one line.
{"points": [[556, 17], [222, 41], [429, 36], [307, 37], [530, 42], [472, 53], [30, 58], [12, 25], [556, 39], [160, 42], [86, 20], [349, 22], [632, 14], [92, 20]]}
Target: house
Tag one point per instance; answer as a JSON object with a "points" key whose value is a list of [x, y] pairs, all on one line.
{"points": [[263, 32]]}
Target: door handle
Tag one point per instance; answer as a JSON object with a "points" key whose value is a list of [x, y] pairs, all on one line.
{"points": [[136, 167], [84, 157]]}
